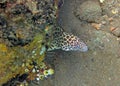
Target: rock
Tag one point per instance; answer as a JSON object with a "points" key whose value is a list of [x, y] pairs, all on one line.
{"points": [[89, 11], [116, 32]]}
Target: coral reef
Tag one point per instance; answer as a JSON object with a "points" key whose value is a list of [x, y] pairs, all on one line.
{"points": [[28, 29], [21, 19], [19, 60], [23, 39]]}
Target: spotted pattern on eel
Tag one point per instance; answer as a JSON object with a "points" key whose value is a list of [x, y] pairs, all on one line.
{"points": [[66, 41]]}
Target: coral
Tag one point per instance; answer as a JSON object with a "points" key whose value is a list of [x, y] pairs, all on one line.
{"points": [[17, 60], [24, 60], [28, 29], [20, 20], [24, 41]]}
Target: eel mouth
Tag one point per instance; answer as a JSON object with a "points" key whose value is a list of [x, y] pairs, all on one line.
{"points": [[84, 49]]}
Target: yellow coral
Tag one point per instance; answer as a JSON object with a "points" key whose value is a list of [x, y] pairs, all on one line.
{"points": [[15, 60], [3, 48]]}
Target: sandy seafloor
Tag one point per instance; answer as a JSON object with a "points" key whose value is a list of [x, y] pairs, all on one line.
{"points": [[100, 66]]}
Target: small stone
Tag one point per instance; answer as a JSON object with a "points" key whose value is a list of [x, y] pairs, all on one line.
{"points": [[38, 75], [103, 22], [33, 51], [101, 1], [37, 79], [96, 26], [116, 32], [112, 28], [110, 19], [38, 71], [109, 78], [118, 39]]}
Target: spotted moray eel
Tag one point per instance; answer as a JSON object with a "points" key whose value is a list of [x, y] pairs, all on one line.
{"points": [[66, 41]]}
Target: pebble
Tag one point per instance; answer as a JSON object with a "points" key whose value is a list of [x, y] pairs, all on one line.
{"points": [[116, 32]]}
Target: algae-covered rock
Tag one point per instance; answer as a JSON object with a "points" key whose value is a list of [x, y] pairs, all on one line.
{"points": [[23, 43], [17, 60], [89, 11], [21, 19], [28, 29]]}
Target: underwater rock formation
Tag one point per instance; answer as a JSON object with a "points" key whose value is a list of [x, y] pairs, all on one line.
{"points": [[88, 11], [23, 41], [28, 29]]}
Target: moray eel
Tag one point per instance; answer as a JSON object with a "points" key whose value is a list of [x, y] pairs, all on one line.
{"points": [[66, 41]]}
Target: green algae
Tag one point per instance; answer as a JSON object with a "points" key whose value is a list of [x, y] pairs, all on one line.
{"points": [[17, 60]]}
